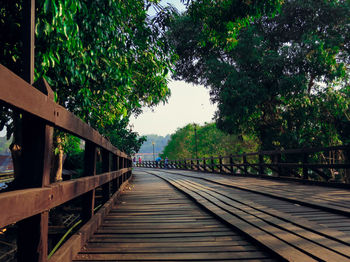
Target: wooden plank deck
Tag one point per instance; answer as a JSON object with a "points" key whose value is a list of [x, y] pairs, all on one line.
{"points": [[159, 219], [155, 222], [276, 224]]}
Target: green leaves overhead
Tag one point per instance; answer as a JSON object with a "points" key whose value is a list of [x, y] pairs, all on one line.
{"points": [[283, 77], [103, 59]]}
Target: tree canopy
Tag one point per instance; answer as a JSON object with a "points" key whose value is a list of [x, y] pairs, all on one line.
{"points": [[285, 78], [104, 60]]}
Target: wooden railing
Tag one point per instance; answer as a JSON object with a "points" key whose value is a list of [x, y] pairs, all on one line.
{"points": [[330, 164], [29, 205]]}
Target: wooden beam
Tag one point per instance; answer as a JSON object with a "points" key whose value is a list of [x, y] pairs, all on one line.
{"points": [[36, 103], [73, 245], [106, 167], [38, 200], [88, 199]]}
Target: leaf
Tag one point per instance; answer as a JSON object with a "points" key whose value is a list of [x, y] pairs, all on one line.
{"points": [[47, 4]]}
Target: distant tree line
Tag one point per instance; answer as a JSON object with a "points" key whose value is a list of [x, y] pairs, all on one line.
{"points": [[206, 141]]}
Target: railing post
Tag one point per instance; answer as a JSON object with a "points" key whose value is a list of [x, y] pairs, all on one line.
{"points": [[192, 168], [205, 165], [89, 170], [277, 161], [120, 166], [197, 161], [261, 164], [185, 164], [231, 164], [220, 164], [245, 162], [106, 167], [305, 170], [212, 164], [280, 169], [37, 148], [114, 168], [346, 153]]}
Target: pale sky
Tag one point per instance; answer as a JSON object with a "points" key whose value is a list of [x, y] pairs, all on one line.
{"points": [[187, 104]]}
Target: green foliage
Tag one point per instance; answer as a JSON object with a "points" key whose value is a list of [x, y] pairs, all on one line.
{"points": [[103, 59], [221, 21], [210, 142], [285, 79]]}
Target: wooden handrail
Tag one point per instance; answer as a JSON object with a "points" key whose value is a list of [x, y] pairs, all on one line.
{"points": [[29, 205], [36, 103], [38, 200], [269, 164]]}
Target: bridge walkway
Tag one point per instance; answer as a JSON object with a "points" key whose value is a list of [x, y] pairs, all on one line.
{"points": [[250, 219], [155, 222]]}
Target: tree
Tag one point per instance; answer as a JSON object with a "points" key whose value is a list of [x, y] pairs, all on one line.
{"points": [[280, 75], [210, 142], [104, 60]]}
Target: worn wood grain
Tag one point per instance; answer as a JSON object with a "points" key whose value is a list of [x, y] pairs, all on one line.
{"points": [[163, 225]]}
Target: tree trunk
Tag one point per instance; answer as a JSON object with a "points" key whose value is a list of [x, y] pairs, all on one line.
{"points": [[58, 161]]}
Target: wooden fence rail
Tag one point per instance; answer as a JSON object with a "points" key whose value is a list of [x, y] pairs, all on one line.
{"points": [[36, 195], [328, 164]]}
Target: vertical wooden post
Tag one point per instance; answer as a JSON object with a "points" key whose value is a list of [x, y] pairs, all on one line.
{"points": [[231, 164], [220, 164], [121, 166], [305, 170], [261, 164], [245, 162], [197, 162], [114, 168], [88, 198], [280, 169], [192, 165], [36, 156], [212, 164], [106, 167], [205, 165], [346, 153]]}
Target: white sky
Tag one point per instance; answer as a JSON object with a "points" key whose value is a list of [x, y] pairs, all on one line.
{"points": [[187, 104]]}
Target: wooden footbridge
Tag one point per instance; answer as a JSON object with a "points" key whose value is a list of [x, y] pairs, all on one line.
{"points": [[264, 206], [261, 206]]}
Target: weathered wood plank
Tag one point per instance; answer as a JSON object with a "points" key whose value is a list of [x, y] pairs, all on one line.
{"points": [[76, 242], [37, 104], [170, 232], [38, 200]]}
